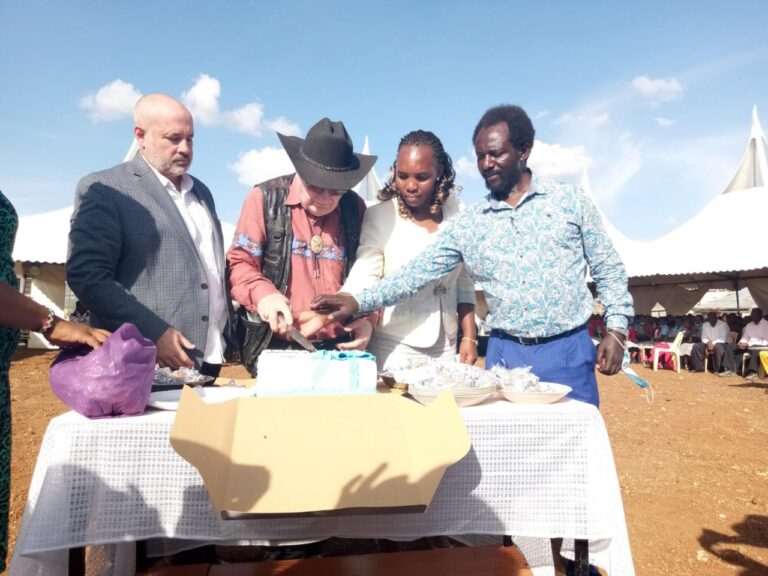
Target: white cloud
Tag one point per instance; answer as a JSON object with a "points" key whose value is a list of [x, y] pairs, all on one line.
{"points": [[664, 122], [540, 115], [117, 99], [111, 102], [203, 101], [284, 126], [658, 89], [621, 163], [466, 167], [248, 119], [556, 161], [586, 119], [259, 165]]}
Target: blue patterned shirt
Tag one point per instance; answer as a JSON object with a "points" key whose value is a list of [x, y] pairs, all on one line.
{"points": [[531, 261]]}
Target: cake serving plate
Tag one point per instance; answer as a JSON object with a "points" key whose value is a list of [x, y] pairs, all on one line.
{"points": [[551, 393], [169, 399], [462, 396]]}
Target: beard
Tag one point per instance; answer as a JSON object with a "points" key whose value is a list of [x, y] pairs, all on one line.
{"points": [[178, 169], [168, 167], [504, 187]]}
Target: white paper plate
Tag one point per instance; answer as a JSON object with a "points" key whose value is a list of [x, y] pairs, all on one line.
{"points": [[431, 391], [471, 398], [169, 399], [557, 391]]}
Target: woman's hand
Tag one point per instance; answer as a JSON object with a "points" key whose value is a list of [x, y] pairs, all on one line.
{"points": [[63, 332], [468, 351]]}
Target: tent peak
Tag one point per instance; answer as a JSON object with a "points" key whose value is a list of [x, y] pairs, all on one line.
{"points": [[133, 150], [757, 129], [369, 187], [753, 169]]}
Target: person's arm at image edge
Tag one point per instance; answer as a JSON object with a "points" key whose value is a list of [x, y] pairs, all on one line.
{"points": [[23, 313]]}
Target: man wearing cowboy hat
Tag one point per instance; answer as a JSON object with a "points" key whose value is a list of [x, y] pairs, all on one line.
{"points": [[296, 238]]}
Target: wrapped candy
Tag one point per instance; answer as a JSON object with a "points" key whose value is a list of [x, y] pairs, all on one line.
{"points": [[519, 379]]}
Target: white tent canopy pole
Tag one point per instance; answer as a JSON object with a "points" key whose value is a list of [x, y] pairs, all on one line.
{"points": [[132, 151]]}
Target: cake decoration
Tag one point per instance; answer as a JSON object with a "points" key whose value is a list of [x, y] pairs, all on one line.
{"points": [[326, 372]]}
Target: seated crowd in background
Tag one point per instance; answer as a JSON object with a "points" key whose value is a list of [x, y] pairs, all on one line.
{"points": [[646, 329], [721, 338], [754, 334]]}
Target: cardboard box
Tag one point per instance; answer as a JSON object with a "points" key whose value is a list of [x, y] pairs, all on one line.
{"points": [[282, 456]]}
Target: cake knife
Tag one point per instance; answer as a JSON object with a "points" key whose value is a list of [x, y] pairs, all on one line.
{"points": [[298, 337]]}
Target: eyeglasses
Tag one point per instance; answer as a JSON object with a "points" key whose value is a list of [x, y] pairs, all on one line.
{"points": [[318, 191]]}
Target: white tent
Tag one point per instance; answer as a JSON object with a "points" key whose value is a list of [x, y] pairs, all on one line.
{"points": [[724, 301], [686, 268], [39, 255], [369, 187], [43, 237]]}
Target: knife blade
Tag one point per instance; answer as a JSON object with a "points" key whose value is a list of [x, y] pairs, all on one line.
{"points": [[299, 338]]}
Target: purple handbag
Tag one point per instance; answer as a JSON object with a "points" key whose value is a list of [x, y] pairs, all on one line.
{"points": [[114, 380]]}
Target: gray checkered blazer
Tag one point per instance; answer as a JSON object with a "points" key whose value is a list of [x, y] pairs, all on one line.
{"points": [[131, 258]]}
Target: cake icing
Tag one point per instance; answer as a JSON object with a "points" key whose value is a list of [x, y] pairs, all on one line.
{"points": [[326, 372]]}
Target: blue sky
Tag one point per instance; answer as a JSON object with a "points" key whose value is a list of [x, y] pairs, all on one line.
{"points": [[654, 98]]}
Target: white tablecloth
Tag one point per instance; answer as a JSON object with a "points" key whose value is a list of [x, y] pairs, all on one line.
{"points": [[534, 472]]}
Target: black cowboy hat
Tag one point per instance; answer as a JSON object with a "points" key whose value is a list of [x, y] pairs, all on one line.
{"points": [[325, 158]]}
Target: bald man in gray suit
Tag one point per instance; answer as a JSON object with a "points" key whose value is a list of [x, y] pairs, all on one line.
{"points": [[145, 245]]}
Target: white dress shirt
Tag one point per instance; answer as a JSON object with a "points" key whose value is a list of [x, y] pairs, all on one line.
{"points": [[717, 334], [200, 226], [755, 334]]}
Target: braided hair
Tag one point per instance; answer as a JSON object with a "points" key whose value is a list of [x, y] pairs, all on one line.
{"points": [[444, 185]]}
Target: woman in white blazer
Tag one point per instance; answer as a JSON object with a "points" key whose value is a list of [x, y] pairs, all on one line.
{"points": [[416, 201]]}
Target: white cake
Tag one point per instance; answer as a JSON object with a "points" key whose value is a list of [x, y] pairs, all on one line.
{"points": [[302, 373]]}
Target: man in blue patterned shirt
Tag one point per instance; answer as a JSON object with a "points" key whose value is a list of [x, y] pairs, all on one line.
{"points": [[529, 246]]}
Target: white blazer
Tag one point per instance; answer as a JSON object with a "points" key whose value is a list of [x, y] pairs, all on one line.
{"points": [[387, 242]]}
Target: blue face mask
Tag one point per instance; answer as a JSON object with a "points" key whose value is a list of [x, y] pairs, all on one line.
{"points": [[632, 375]]}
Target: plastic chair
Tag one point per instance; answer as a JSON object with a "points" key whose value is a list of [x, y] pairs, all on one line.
{"points": [[674, 349], [744, 357], [734, 339]]}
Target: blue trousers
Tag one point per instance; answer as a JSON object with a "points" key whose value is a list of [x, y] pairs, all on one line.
{"points": [[569, 360]]}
